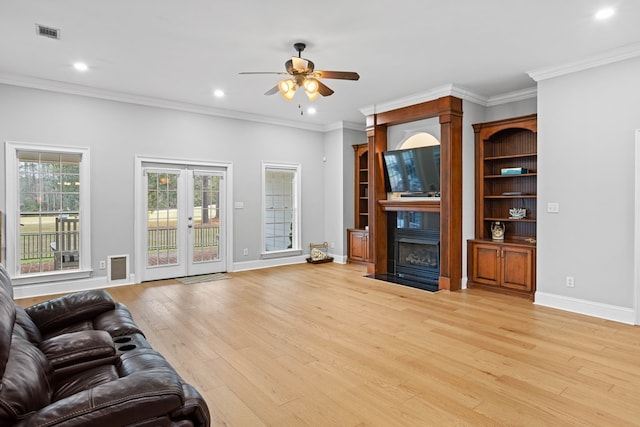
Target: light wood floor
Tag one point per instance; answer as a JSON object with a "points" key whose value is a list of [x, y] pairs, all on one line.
{"points": [[322, 345]]}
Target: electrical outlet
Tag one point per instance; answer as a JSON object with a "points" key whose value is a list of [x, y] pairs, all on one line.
{"points": [[245, 252], [103, 265], [333, 245], [570, 282]]}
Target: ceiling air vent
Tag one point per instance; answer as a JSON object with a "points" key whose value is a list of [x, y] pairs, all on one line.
{"points": [[52, 33]]}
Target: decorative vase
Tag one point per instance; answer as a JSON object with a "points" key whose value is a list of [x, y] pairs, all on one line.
{"points": [[497, 230]]}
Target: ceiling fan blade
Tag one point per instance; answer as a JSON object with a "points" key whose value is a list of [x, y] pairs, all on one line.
{"points": [[272, 91], [342, 75], [324, 89]]}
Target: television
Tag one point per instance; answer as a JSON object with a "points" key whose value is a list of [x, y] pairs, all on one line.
{"points": [[414, 171]]}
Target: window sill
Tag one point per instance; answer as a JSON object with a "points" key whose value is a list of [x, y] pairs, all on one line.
{"points": [[50, 277], [281, 254]]}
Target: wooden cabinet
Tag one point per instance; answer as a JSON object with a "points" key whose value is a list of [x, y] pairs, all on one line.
{"points": [[358, 245], [506, 186], [508, 266], [358, 237]]}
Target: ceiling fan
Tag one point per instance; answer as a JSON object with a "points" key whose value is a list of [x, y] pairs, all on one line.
{"points": [[301, 73]]}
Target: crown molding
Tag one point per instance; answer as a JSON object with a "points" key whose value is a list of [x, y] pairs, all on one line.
{"points": [[418, 98], [73, 89], [609, 57], [451, 90], [517, 95], [345, 125]]}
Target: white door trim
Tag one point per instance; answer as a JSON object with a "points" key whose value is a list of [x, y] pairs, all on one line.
{"points": [[139, 205], [636, 252]]}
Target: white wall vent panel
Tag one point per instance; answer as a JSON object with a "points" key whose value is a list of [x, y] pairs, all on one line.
{"points": [[44, 31]]}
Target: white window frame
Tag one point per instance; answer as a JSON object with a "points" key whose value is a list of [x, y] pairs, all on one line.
{"points": [[297, 197], [13, 213]]}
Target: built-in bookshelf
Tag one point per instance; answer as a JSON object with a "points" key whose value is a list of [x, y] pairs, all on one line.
{"points": [[506, 196]]}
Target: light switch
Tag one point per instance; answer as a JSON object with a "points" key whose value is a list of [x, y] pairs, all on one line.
{"points": [[238, 205], [553, 207]]}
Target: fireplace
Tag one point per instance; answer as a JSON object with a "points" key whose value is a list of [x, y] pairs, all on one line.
{"points": [[417, 255]]}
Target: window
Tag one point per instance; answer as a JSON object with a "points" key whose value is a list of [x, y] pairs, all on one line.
{"points": [[281, 212], [47, 209]]}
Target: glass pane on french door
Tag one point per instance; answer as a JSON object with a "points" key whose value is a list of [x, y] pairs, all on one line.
{"points": [[206, 211], [162, 219]]}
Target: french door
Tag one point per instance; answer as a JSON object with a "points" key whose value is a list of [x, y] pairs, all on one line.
{"points": [[184, 224]]}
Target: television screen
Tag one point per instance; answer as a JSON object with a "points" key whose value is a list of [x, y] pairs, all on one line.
{"points": [[396, 176], [415, 170]]}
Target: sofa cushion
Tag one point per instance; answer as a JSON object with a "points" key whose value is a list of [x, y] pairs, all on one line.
{"points": [[131, 400], [7, 320], [86, 325], [32, 333], [25, 386], [84, 381], [5, 282]]}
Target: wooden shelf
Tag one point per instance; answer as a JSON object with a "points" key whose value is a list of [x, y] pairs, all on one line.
{"points": [[510, 241], [357, 237], [361, 166], [510, 156], [507, 219], [510, 176], [519, 196]]}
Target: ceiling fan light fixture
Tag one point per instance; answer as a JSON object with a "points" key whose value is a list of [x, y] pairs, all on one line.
{"points": [[312, 87], [287, 88]]}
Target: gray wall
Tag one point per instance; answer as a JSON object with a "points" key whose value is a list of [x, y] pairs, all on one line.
{"points": [[586, 149], [339, 187], [511, 109], [115, 132]]}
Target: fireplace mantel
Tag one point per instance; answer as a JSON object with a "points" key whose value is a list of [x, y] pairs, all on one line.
{"points": [[448, 110], [394, 205]]}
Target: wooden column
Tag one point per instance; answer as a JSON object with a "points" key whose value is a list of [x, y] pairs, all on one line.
{"points": [[451, 195], [377, 140]]}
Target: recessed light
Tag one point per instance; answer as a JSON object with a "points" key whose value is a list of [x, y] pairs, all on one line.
{"points": [[80, 66], [605, 13], [311, 110], [218, 93]]}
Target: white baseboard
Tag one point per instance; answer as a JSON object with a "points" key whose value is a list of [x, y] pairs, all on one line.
{"points": [[589, 308], [65, 287], [340, 259], [272, 262]]}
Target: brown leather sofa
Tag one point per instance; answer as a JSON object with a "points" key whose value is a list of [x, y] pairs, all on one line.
{"points": [[81, 360]]}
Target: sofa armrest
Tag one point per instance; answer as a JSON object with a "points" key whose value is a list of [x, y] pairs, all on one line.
{"points": [[194, 408], [71, 308], [132, 399], [77, 347]]}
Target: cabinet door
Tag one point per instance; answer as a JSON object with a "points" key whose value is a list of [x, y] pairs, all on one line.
{"points": [[485, 265], [517, 268], [358, 246]]}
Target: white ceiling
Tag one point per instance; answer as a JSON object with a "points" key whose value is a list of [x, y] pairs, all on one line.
{"points": [[180, 51]]}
